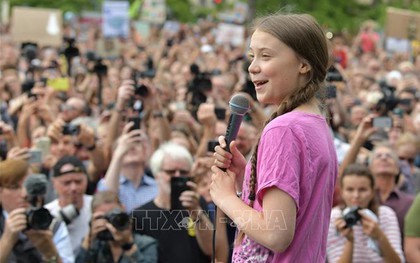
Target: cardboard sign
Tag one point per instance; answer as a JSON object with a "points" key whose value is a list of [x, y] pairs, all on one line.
{"points": [[38, 25], [115, 21], [402, 24], [109, 48]]}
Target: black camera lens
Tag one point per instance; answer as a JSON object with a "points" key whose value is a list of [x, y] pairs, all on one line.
{"points": [[38, 218], [119, 220], [351, 216], [69, 129], [141, 90]]}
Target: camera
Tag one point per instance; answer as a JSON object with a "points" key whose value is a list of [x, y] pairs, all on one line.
{"points": [[331, 92], [334, 75], [68, 213], [351, 216], [38, 218], [118, 219], [69, 129], [139, 89]]}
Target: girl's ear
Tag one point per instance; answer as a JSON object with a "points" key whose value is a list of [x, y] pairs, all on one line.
{"points": [[305, 67]]}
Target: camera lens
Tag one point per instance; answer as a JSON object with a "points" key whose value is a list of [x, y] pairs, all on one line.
{"points": [[120, 221], [39, 218]]}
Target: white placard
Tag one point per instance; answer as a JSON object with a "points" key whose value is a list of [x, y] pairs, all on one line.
{"points": [[115, 21]]}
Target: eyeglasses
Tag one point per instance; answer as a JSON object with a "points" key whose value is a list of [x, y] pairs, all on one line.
{"points": [[382, 155], [172, 172], [407, 159]]}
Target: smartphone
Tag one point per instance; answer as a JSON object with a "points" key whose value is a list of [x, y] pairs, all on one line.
{"points": [[137, 123], [35, 156], [178, 185], [211, 144], [43, 144], [382, 122], [220, 113], [331, 91]]}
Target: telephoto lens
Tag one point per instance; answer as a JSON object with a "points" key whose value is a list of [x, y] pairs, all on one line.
{"points": [[119, 219]]}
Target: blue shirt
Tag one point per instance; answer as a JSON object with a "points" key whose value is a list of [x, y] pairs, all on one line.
{"points": [[132, 196]]}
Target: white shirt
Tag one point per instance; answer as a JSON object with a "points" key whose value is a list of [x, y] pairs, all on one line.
{"points": [[79, 227]]}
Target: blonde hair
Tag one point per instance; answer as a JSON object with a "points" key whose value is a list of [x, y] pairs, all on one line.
{"points": [[12, 171]]}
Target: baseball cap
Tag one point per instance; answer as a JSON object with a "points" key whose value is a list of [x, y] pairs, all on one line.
{"points": [[74, 164]]}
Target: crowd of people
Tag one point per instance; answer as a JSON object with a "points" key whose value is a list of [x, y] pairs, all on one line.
{"points": [[131, 162]]}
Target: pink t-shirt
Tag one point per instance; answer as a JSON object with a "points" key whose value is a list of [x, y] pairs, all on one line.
{"points": [[296, 154]]}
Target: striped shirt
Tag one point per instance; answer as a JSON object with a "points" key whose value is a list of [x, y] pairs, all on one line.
{"points": [[362, 253]]}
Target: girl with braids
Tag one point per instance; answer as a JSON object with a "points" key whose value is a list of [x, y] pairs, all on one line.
{"points": [[285, 191]]}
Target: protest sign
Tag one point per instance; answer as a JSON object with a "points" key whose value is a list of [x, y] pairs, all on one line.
{"points": [[37, 25], [230, 34], [115, 21], [154, 11], [402, 24]]}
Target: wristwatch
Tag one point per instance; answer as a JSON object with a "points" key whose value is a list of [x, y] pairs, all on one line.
{"points": [[53, 259], [127, 246]]}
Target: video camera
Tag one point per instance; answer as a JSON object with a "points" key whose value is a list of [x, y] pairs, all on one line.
{"points": [[118, 219], [98, 67]]}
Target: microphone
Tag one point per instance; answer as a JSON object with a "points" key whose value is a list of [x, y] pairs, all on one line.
{"points": [[36, 184], [36, 188], [239, 106]]}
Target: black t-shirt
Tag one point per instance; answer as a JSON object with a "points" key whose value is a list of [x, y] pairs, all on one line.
{"points": [[175, 242]]}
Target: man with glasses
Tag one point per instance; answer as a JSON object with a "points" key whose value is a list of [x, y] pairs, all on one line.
{"points": [[184, 235]]}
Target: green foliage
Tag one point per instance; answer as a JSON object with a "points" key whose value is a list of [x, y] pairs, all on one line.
{"points": [[336, 15], [65, 5]]}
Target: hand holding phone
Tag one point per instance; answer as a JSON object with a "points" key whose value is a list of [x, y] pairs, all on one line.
{"points": [[178, 185], [382, 122]]}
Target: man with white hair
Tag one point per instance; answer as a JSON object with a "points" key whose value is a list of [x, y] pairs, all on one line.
{"points": [[183, 235]]}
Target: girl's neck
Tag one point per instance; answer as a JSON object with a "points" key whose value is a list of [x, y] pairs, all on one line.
{"points": [[312, 106]]}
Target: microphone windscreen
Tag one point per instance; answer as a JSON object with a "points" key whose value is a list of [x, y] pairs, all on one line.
{"points": [[36, 184], [239, 104]]}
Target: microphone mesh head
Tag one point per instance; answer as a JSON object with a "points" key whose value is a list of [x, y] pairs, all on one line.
{"points": [[239, 104], [36, 184]]}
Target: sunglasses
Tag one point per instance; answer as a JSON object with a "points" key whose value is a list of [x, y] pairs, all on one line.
{"points": [[172, 172]]}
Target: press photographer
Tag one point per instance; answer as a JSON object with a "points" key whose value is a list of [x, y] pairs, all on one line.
{"points": [[26, 232], [110, 238]]}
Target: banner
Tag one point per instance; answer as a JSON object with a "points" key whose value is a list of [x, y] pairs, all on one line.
{"points": [[38, 25], [115, 21]]}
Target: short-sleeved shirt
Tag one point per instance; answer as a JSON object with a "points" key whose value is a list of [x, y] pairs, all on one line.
{"points": [[296, 154], [362, 252], [132, 196], [412, 222]]}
